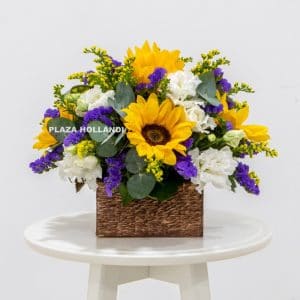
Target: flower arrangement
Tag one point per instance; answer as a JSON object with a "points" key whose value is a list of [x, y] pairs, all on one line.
{"points": [[148, 124]]}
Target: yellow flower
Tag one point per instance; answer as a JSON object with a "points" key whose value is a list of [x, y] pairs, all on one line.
{"points": [[45, 139], [156, 130], [63, 113], [148, 58], [256, 133]]}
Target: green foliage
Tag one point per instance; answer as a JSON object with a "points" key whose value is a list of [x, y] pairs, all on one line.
{"points": [[134, 163], [241, 87], [79, 89], [166, 189], [123, 97], [98, 131], [140, 185], [60, 128], [126, 198], [207, 88], [107, 149], [232, 182], [162, 89], [209, 62]]}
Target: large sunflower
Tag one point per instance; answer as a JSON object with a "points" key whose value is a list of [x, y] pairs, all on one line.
{"points": [[157, 130], [148, 58]]}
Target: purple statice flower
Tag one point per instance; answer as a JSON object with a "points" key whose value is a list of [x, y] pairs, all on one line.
{"points": [[188, 143], [241, 175], [115, 62], [46, 162], [213, 110], [98, 114], [229, 125], [230, 103], [224, 85], [218, 72], [155, 77], [85, 78], [51, 113], [141, 86], [114, 172], [73, 138], [185, 167]]}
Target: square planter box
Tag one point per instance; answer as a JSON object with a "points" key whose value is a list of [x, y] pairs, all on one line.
{"points": [[180, 216]]}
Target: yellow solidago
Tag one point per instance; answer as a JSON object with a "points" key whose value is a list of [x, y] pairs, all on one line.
{"points": [[154, 167], [147, 59], [157, 130], [254, 176], [85, 148], [256, 133]]}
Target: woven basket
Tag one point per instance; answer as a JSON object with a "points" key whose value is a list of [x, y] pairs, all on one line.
{"points": [[180, 216]]}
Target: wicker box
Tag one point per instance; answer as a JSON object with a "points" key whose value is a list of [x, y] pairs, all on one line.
{"points": [[180, 216]]}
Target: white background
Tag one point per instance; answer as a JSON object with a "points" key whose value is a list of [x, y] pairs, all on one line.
{"points": [[41, 42]]}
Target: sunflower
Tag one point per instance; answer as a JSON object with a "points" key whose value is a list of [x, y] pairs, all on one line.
{"points": [[147, 59], [157, 130], [256, 133]]}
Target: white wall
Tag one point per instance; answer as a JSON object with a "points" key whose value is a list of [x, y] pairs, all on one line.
{"points": [[41, 43]]}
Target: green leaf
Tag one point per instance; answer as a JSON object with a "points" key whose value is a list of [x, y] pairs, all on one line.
{"points": [[207, 88], [98, 131], [166, 189], [134, 163], [78, 89], [60, 128], [123, 97], [140, 185], [126, 198], [107, 149]]}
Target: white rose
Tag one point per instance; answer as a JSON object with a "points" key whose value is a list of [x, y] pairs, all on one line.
{"points": [[93, 98], [196, 114], [182, 84], [213, 166], [233, 137], [85, 169]]}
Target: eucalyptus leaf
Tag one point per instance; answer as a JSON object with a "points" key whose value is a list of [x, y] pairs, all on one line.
{"points": [[107, 149], [207, 88], [123, 97], [119, 137], [126, 198], [140, 185], [78, 89], [98, 131], [134, 163], [60, 128]]}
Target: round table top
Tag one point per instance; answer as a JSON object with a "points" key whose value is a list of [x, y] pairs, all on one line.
{"points": [[72, 237]]}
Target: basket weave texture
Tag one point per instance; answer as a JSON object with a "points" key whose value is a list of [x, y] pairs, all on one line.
{"points": [[180, 216]]}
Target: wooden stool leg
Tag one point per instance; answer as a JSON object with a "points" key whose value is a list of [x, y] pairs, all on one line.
{"points": [[192, 279], [104, 280]]}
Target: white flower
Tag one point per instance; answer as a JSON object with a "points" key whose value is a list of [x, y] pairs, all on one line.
{"points": [[233, 137], [213, 166], [85, 169], [196, 114], [93, 98], [182, 84]]}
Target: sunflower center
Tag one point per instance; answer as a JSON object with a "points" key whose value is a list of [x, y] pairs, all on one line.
{"points": [[155, 134]]}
